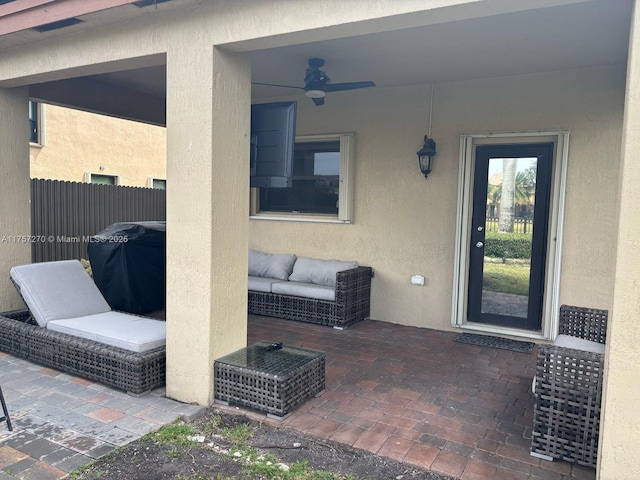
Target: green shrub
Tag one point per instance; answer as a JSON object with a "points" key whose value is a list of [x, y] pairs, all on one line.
{"points": [[507, 245]]}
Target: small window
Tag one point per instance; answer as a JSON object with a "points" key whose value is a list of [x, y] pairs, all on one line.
{"points": [[157, 183], [321, 188], [102, 179], [35, 123]]}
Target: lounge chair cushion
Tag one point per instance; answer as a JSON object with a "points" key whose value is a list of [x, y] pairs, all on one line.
{"points": [[56, 290], [308, 290], [270, 265], [130, 332], [568, 341], [320, 272], [261, 284]]}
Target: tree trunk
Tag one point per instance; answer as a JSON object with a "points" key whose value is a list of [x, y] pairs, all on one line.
{"points": [[507, 199]]}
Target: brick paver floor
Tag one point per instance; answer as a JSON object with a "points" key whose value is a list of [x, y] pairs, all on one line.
{"points": [[61, 422], [406, 393], [417, 396]]}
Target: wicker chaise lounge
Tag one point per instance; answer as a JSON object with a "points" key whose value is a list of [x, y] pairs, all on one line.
{"points": [[568, 388], [70, 327]]}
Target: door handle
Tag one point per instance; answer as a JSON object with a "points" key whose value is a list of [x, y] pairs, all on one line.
{"points": [[479, 244]]}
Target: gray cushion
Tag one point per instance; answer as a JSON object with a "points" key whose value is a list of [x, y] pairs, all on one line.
{"points": [[270, 265], [131, 332], [308, 290], [579, 344], [55, 290], [261, 284], [320, 272]]}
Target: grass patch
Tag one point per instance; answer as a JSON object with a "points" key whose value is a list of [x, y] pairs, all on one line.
{"points": [[506, 278], [178, 442], [177, 433], [238, 435]]}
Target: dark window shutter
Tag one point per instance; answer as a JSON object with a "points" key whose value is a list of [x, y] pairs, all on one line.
{"points": [[273, 134]]}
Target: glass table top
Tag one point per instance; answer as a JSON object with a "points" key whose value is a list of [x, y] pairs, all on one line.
{"points": [[261, 357]]}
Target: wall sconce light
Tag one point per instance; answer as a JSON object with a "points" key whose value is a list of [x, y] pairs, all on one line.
{"points": [[425, 155]]}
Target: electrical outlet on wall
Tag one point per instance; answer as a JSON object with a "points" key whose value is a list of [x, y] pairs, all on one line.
{"points": [[417, 280]]}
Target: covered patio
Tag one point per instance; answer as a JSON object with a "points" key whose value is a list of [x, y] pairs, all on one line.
{"points": [[563, 74], [410, 394]]}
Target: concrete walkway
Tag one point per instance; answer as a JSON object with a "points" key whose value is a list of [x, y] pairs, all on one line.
{"points": [[61, 422]]}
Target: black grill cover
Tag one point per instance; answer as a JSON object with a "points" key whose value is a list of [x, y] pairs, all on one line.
{"points": [[128, 265]]}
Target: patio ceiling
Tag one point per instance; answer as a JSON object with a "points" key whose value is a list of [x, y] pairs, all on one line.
{"points": [[579, 35]]}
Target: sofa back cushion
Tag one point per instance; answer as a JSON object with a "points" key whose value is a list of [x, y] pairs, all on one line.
{"points": [[320, 272], [55, 290], [270, 265]]}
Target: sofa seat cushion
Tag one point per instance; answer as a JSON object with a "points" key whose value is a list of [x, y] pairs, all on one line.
{"points": [[270, 265], [130, 332], [56, 290], [569, 341], [261, 284], [308, 290], [319, 272]]}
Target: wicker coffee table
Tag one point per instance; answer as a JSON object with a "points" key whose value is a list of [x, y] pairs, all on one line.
{"points": [[275, 381]]}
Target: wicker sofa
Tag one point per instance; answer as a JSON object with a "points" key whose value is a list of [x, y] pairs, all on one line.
{"points": [[568, 388], [70, 327], [326, 292]]}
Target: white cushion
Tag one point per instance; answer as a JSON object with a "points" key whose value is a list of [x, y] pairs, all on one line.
{"points": [[320, 272], [579, 344], [261, 284], [55, 290], [137, 334], [270, 265], [308, 290]]}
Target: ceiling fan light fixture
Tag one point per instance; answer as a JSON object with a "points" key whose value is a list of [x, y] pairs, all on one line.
{"points": [[314, 93]]}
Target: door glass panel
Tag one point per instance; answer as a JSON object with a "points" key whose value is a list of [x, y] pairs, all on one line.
{"points": [[511, 185]]}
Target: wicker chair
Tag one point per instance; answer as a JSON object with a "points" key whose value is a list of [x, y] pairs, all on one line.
{"points": [[568, 391]]}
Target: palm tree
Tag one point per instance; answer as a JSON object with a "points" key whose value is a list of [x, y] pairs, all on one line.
{"points": [[507, 196], [524, 186]]}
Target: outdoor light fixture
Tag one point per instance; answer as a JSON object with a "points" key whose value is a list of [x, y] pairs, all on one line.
{"points": [[425, 155], [428, 150], [314, 93]]}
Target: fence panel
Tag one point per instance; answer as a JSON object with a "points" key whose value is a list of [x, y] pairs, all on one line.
{"points": [[520, 225], [65, 214]]}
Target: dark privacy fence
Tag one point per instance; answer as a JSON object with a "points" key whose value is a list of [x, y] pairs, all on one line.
{"points": [[65, 214]]}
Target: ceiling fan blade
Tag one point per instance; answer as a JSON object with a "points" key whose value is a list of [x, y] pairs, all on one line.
{"points": [[276, 85], [337, 87], [318, 101]]}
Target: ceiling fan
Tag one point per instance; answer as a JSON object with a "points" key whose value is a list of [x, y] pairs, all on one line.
{"points": [[317, 83]]}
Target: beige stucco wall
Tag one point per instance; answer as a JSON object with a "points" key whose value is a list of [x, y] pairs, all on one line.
{"points": [[207, 211], [404, 225], [77, 142], [619, 434], [15, 218]]}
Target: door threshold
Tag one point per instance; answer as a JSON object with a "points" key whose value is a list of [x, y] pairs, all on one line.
{"points": [[513, 332]]}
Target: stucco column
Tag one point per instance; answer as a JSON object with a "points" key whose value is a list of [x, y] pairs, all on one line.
{"points": [[620, 428], [208, 124], [15, 211]]}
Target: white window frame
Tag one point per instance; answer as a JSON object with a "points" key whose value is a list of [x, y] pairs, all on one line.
{"points": [[345, 193], [150, 181], [40, 125], [468, 142], [87, 177]]}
